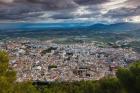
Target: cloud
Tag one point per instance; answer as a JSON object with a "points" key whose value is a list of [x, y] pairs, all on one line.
{"points": [[133, 3], [6, 1], [123, 12], [90, 2], [70, 10]]}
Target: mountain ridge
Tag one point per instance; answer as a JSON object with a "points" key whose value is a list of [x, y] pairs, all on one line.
{"points": [[70, 26]]}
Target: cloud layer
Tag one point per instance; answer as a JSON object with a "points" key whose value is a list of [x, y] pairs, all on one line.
{"points": [[107, 11]]}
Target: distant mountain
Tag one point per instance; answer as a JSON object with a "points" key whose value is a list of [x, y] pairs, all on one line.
{"points": [[116, 27], [70, 26]]}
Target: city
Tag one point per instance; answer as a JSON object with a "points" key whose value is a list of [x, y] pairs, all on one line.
{"points": [[47, 61], [69, 46]]}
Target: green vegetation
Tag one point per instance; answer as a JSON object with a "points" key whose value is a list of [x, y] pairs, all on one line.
{"points": [[127, 81], [130, 78], [52, 66], [8, 82]]}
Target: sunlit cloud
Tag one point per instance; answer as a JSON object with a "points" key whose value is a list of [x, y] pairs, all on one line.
{"points": [[82, 11], [134, 19], [113, 4]]}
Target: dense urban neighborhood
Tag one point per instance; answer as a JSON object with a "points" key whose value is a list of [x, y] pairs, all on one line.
{"points": [[47, 61]]}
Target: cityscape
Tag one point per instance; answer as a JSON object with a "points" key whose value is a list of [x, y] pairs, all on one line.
{"points": [[47, 61], [69, 46]]}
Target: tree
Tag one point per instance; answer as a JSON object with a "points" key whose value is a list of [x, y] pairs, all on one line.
{"points": [[109, 85], [7, 76], [25, 87], [8, 82], [130, 77]]}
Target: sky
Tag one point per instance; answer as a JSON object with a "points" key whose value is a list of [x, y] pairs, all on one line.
{"points": [[53, 11]]}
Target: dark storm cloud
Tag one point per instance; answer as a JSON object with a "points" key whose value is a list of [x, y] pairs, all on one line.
{"points": [[18, 9], [80, 12], [89, 2], [68, 9], [41, 4], [47, 4]]}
